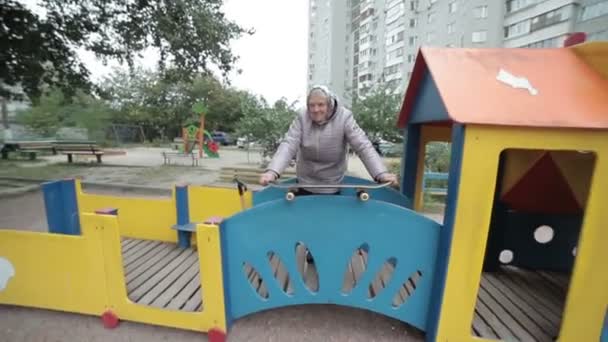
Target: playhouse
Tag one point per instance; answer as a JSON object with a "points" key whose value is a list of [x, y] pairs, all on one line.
{"points": [[518, 254]]}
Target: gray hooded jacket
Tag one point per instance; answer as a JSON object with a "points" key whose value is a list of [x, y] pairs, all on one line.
{"points": [[321, 149]]}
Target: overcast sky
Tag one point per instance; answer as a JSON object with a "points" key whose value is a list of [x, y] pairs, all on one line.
{"points": [[273, 60]]}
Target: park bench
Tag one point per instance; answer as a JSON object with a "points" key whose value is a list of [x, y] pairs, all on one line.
{"points": [[71, 148], [167, 156], [27, 147]]}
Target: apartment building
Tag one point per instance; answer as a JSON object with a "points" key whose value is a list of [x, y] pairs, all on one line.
{"points": [[327, 40], [592, 18], [376, 41]]}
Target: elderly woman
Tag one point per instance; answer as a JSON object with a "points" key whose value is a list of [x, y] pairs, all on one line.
{"points": [[319, 136]]}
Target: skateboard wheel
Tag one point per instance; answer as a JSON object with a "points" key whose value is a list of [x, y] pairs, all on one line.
{"points": [[364, 196], [290, 196]]}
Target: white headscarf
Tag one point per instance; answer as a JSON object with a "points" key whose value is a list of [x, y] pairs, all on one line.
{"points": [[332, 100]]}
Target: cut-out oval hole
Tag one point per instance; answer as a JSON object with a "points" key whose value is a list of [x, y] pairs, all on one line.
{"points": [[506, 256], [356, 267], [280, 273], [382, 278], [307, 267], [407, 289], [255, 280], [544, 234]]}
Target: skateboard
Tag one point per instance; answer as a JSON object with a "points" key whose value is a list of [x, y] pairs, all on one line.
{"points": [[359, 188]]}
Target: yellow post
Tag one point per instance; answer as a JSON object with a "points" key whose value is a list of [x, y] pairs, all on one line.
{"points": [[212, 277]]}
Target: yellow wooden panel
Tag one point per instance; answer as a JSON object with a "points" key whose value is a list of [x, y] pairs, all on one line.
{"points": [[575, 169], [516, 165], [595, 54], [53, 271], [205, 202], [587, 297], [212, 315], [139, 218], [212, 278]]}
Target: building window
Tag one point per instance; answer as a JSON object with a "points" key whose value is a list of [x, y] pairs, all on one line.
{"points": [[480, 12], [517, 29], [601, 35], [410, 58], [593, 11], [414, 5], [450, 28], [413, 40], [413, 23], [431, 17], [546, 43], [430, 37], [479, 36], [453, 6], [549, 18], [515, 5]]}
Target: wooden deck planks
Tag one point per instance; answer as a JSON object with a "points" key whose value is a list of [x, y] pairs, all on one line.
{"points": [[512, 304], [519, 304], [140, 293]]}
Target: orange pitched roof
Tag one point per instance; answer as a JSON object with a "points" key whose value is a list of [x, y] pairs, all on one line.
{"points": [[565, 91]]}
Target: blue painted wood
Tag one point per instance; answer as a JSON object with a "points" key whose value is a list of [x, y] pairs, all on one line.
{"points": [[61, 207], [434, 176], [445, 241], [428, 106], [515, 232], [389, 195], [188, 227], [410, 162], [604, 337], [340, 225], [183, 216]]}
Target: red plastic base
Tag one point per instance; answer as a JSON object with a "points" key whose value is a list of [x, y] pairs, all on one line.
{"points": [[110, 320], [216, 335]]}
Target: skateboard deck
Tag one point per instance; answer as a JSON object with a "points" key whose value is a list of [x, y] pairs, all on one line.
{"points": [[328, 186]]}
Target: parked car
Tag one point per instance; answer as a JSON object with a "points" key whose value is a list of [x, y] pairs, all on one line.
{"points": [[222, 138]]}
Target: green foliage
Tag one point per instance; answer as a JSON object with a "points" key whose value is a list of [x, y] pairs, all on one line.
{"points": [[152, 100], [54, 110], [437, 157], [190, 36], [265, 124], [377, 113]]}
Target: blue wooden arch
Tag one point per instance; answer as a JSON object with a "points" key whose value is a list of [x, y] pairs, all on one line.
{"points": [[332, 228]]}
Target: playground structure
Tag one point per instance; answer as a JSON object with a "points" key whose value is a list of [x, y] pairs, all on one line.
{"points": [[195, 136], [208, 256]]}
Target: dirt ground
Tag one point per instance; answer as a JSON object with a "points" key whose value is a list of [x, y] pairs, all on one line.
{"points": [[302, 323]]}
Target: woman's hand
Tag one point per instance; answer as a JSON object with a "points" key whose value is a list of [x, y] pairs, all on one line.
{"points": [[388, 178], [267, 177]]}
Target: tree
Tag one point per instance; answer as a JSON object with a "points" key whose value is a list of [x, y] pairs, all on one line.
{"points": [[189, 35], [150, 99], [54, 111], [376, 113], [437, 157], [264, 124]]}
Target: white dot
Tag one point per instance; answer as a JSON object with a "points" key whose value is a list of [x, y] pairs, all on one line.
{"points": [[543, 234], [574, 251], [506, 256]]}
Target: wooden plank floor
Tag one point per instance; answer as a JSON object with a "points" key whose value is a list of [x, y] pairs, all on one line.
{"points": [[162, 275], [512, 304], [522, 305]]}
